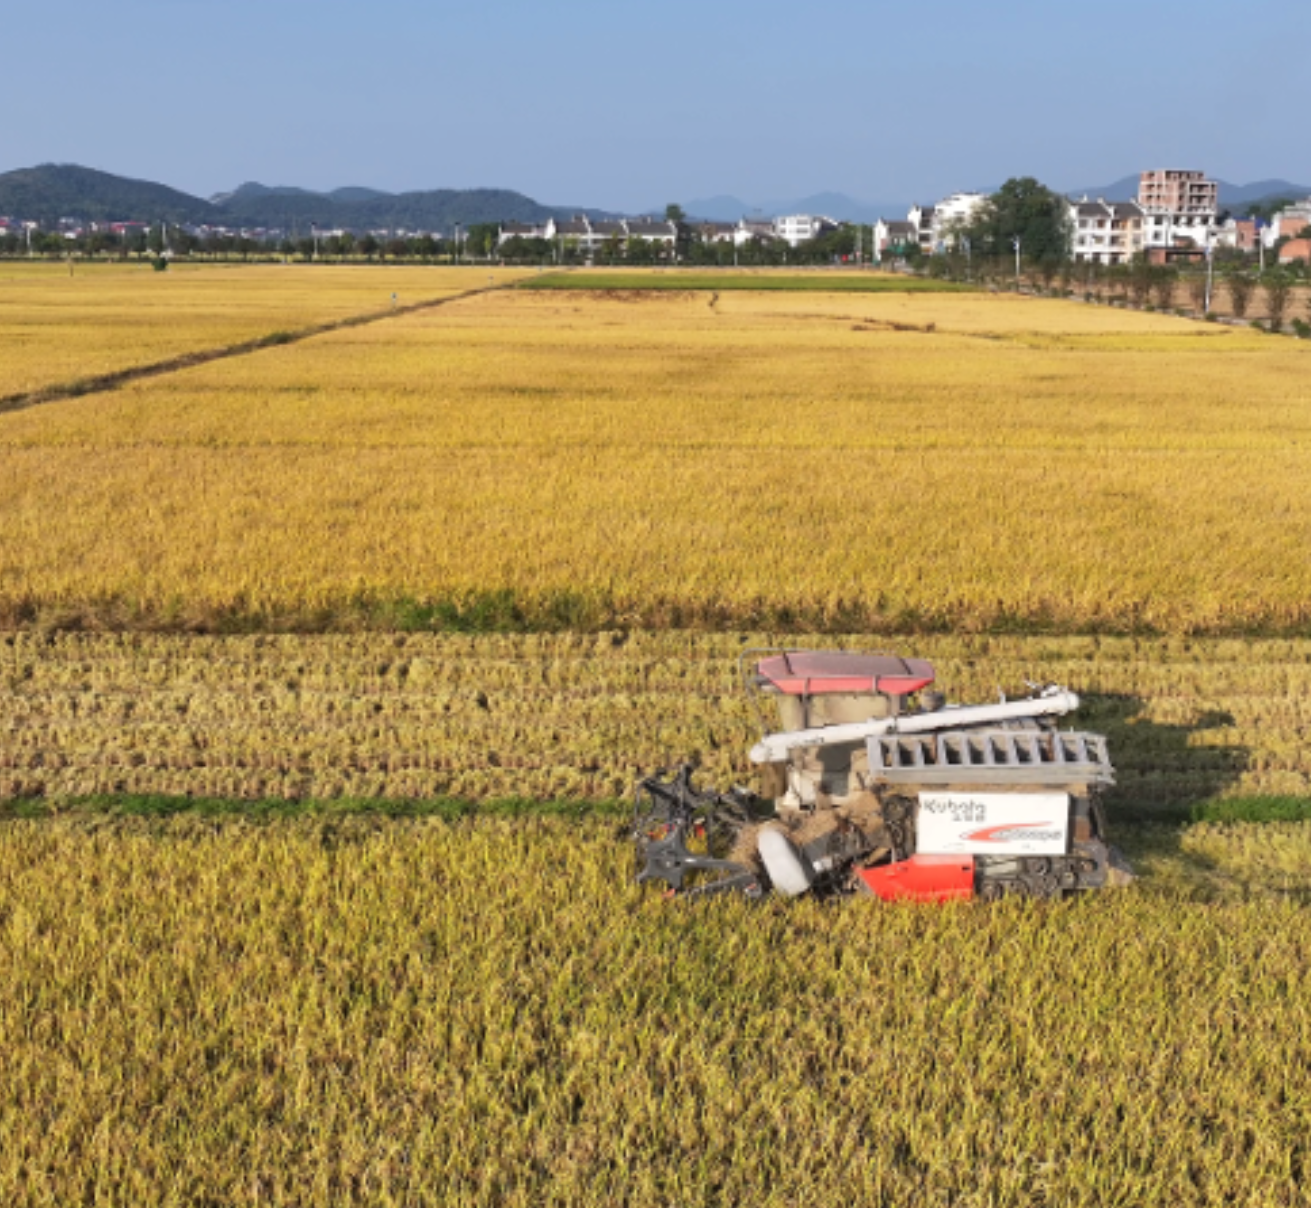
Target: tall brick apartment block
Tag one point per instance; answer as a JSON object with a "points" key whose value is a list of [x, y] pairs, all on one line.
{"points": [[1179, 207]]}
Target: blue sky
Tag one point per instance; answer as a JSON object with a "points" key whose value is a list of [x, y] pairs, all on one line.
{"points": [[629, 106]]}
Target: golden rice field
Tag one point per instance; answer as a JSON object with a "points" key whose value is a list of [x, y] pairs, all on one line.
{"points": [[281, 998], [626, 459], [580, 717], [57, 327], [337, 1012]]}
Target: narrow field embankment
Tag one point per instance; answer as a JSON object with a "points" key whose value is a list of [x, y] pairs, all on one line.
{"points": [[100, 383]]}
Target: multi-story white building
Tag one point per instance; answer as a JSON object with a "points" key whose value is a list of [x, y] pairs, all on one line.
{"points": [[892, 237], [754, 228], [950, 216], [1179, 207], [1106, 232], [921, 218], [797, 229]]}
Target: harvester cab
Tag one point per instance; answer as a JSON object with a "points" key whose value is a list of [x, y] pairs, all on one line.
{"points": [[872, 784]]}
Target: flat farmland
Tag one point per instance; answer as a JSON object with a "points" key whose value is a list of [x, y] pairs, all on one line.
{"points": [[59, 327], [608, 459], [325, 671]]}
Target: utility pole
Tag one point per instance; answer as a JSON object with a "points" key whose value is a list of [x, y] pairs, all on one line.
{"points": [[1016, 241], [314, 231], [1210, 265]]}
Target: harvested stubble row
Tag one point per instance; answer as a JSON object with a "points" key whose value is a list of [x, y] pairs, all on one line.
{"points": [[580, 716], [367, 1012], [784, 461]]}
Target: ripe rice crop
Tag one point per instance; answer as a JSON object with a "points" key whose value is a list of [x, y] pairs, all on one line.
{"points": [[361, 1012], [58, 328], [581, 717], [556, 460]]}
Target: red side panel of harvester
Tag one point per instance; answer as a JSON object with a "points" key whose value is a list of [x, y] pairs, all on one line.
{"points": [[920, 879]]}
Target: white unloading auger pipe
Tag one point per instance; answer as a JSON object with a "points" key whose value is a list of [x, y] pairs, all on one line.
{"points": [[774, 748]]}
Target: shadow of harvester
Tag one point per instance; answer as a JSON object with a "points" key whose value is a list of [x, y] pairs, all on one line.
{"points": [[1163, 770]]}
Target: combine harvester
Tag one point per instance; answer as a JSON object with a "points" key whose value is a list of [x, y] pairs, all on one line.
{"points": [[874, 785]]}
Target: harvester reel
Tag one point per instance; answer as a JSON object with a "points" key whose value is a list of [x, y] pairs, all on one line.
{"points": [[668, 814]]}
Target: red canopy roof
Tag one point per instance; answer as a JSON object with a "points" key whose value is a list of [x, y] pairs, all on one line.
{"points": [[809, 672]]}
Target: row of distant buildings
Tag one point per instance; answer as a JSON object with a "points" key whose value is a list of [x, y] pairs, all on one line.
{"points": [[1174, 217], [591, 234]]}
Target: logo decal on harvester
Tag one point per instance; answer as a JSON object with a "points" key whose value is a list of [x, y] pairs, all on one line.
{"points": [[1009, 832], [992, 824]]}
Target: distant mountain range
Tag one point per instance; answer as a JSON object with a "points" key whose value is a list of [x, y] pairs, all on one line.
{"points": [[1231, 196], [54, 191]]}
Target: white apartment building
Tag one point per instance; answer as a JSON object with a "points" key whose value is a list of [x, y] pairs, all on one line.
{"points": [[950, 215], [748, 229], [796, 229], [1179, 207], [921, 218], [892, 237], [1107, 232]]}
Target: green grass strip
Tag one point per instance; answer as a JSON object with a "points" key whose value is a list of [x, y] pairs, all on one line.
{"points": [[1123, 815], [1252, 809]]}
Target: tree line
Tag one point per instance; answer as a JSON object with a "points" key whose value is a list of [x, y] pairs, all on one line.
{"points": [[176, 241]]}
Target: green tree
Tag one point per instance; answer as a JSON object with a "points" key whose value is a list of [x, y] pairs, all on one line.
{"points": [[482, 238], [1164, 283], [1278, 288], [1240, 287], [675, 213], [1266, 210], [612, 248], [638, 250], [1025, 209], [1142, 276]]}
